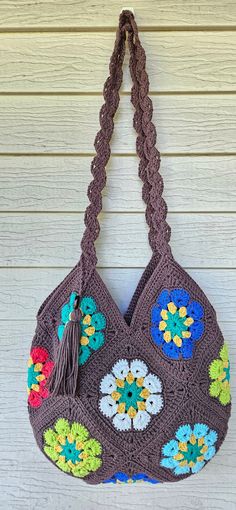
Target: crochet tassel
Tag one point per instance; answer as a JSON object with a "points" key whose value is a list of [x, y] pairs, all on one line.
{"points": [[64, 377]]}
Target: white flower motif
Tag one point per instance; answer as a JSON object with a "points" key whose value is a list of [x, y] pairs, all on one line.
{"points": [[121, 368], [152, 383], [122, 421], [108, 384], [130, 395], [154, 403], [108, 406], [141, 420], [138, 368]]}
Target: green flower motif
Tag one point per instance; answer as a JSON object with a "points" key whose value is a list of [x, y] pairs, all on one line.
{"points": [[70, 447], [219, 372], [92, 325]]}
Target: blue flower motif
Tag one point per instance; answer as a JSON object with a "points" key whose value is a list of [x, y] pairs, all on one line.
{"points": [[177, 323], [92, 325], [121, 477], [192, 447]]}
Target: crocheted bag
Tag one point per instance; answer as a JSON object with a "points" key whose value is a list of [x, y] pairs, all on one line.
{"points": [[139, 396]]}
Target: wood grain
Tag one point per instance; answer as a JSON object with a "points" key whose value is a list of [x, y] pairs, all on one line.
{"points": [[192, 184], [53, 239], [96, 14], [25, 289], [68, 124], [67, 62]]}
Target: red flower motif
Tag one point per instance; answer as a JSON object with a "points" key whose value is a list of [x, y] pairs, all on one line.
{"points": [[43, 391], [47, 368], [39, 355], [34, 399], [40, 367]]}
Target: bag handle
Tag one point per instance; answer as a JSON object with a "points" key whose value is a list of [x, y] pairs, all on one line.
{"points": [[156, 208]]}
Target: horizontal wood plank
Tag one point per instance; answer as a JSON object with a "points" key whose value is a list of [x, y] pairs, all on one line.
{"points": [[96, 14], [192, 184], [51, 488], [68, 124], [53, 239], [67, 62], [24, 290]]}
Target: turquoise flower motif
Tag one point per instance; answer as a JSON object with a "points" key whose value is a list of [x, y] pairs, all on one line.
{"points": [[121, 477], [176, 323], [92, 325], [190, 450]]}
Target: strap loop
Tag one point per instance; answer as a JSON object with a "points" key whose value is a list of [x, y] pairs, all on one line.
{"points": [[156, 209]]}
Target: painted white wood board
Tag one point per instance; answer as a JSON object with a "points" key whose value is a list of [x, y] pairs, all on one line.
{"points": [[53, 239], [192, 184], [99, 14], [67, 62], [69, 123]]}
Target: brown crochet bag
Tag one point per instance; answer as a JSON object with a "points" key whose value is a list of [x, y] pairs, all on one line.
{"points": [[144, 396]]}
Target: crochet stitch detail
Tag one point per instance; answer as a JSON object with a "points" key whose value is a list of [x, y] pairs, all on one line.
{"points": [[132, 395], [177, 323], [71, 448], [92, 325], [156, 210], [190, 450], [122, 478], [39, 369], [219, 373]]}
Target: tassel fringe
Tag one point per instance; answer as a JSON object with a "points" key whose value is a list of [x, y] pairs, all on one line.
{"points": [[64, 377]]}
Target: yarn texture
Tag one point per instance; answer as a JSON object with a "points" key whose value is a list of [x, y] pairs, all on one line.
{"points": [[142, 396]]}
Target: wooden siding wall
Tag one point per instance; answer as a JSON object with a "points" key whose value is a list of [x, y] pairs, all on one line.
{"points": [[54, 58]]}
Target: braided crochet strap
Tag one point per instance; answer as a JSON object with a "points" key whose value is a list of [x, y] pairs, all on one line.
{"points": [[156, 210]]}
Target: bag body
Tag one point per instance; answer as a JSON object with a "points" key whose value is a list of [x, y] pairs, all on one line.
{"points": [[144, 395]]}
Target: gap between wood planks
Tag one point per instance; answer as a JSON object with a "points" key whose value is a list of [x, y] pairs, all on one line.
{"points": [[189, 268], [117, 154], [171, 28], [114, 211], [125, 93]]}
